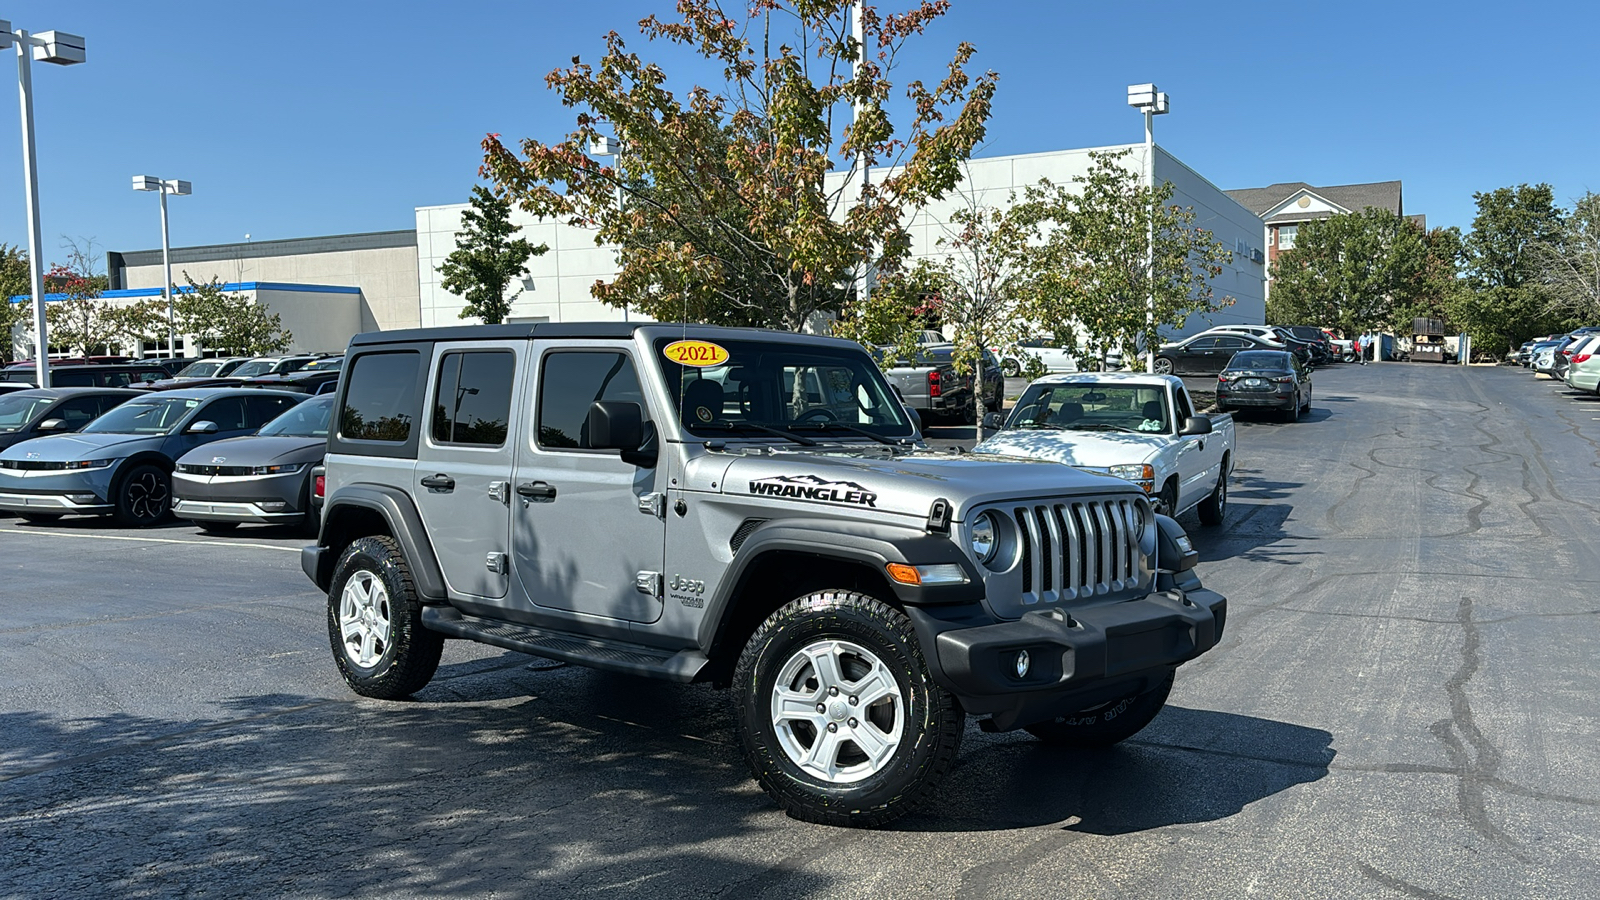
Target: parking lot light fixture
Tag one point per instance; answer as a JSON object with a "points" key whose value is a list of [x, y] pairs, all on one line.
{"points": [[61, 49], [1152, 103], [182, 189], [607, 146]]}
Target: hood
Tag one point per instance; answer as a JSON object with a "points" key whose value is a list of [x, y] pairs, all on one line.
{"points": [[257, 451], [71, 447], [1096, 449], [905, 485]]}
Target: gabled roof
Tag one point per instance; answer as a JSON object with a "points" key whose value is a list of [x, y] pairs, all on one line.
{"points": [[1378, 194]]}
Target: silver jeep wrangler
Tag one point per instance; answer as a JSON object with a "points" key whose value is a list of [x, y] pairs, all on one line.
{"points": [[751, 509]]}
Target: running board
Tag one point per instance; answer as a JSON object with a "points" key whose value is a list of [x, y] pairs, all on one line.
{"points": [[596, 653]]}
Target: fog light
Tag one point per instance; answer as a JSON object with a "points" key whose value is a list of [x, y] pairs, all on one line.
{"points": [[1022, 664], [82, 498], [272, 505]]}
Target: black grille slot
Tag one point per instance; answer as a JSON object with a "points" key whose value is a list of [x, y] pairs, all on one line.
{"points": [[1027, 550], [741, 533]]}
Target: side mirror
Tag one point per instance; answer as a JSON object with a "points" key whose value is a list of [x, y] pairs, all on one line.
{"points": [[1195, 426], [51, 425], [619, 425], [994, 421], [202, 428]]}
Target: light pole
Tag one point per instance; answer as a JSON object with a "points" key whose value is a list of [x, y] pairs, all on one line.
{"points": [[604, 146], [182, 189], [61, 49], [1152, 103]]}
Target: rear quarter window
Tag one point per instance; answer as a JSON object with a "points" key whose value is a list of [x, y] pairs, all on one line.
{"points": [[381, 402]]}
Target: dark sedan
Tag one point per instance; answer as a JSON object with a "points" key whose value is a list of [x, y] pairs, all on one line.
{"points": [[92, 375], [1265, 379], [265, 478], [37, 412], [1206, 354]]}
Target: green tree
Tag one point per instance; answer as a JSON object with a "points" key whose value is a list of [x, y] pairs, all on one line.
{"points": [[229, 322], [1091, 286], [14, 281], [141, 321], [1352, 272], [1502, 256], [729, 210], [486, 258], [79, 320]]}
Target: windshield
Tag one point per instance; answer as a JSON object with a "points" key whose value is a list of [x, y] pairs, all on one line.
{"points": [[254, 367], [1092, 407], [1259, 359], [790, 387], [17, 411], [203, 369], [153, 416], [308, 419]]}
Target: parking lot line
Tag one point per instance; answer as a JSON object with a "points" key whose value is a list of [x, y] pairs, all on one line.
{"points": [[148, 540]]}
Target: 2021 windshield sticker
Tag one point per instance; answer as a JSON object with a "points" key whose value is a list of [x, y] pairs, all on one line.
{"points": [[699, 354], [810, 487]]}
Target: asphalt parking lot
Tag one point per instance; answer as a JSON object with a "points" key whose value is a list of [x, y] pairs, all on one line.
{"points": [[1406, 704]]}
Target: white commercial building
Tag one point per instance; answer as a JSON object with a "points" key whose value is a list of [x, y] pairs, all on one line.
{"points": [[556, 288]]}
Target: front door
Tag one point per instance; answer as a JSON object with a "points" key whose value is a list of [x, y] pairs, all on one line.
{"points": [[462, 481], [588, 534]]}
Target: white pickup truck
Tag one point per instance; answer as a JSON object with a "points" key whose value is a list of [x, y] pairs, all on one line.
{"points": [[1141, 428]]}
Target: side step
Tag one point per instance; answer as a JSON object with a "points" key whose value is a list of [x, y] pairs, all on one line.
{"points": [[596, 653]]}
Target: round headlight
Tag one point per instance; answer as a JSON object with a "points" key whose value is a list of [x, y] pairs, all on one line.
{"points": [[985, 538]]}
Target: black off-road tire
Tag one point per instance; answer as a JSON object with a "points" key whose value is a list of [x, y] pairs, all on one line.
{"points": [[932, 724], [1106, 724], [143, 496], [1166, 499], [411, 655], [40, 518], [217, 527], [1214, 508]]}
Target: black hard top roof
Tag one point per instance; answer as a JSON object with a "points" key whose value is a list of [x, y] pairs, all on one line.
{"points": [[572, 330], [75, 391]]}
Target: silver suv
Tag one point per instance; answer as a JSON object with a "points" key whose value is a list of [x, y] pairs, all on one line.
{"points": [[751, 509]]}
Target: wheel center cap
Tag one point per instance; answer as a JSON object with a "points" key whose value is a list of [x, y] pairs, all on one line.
{"points": [[839, 710]]}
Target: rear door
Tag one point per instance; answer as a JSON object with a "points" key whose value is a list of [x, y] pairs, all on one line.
{"points": [[462, 482]]}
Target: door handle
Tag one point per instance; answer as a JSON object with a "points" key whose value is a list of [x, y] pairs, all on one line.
{"points": [[441, 482], [538, 491]]}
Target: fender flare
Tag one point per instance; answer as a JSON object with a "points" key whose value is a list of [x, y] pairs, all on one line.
{"points": [[405, 525], [867, 544]]}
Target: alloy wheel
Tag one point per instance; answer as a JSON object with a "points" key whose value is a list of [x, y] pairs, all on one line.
{"points": [[838, 711], [364, 616], [147, 495]]}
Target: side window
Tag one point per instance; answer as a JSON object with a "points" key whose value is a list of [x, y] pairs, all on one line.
{"points": [[78, 411], [1232, 343], [227, 412], [73, 379], [261, 410], [472, 401], [1181, 404], [569, 382], [382, 394], [1203, 344]]}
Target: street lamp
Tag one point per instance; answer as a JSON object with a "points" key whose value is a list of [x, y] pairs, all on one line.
{"points": [[1152, 103], [182, 189], [62, 49], [604, 146]]}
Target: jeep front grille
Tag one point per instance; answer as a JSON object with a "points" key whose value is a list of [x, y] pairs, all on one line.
{"points": [[1079, 549]]}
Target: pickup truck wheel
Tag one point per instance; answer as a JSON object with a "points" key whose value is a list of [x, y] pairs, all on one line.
{"points": [[838, 717], [375, 622], [1106, 724], [1214, 508], [1166, 502]]}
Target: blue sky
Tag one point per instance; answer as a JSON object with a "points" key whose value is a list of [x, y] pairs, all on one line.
{"points": [[295, 119]]}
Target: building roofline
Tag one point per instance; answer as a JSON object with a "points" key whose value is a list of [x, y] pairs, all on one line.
{"points": [[334, 243], [126, 293]]}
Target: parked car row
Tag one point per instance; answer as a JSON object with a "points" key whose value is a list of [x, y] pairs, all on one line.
{"points": [[115, 371], [218, 456], [1572, 359], [1210, 351]]}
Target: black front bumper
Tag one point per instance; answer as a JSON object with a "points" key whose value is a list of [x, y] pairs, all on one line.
{"points": [[1078, 658]]}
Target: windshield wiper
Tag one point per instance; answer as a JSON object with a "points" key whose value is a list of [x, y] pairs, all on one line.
{"points": [[1102, 426], [840, 426], [800, 439]]}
